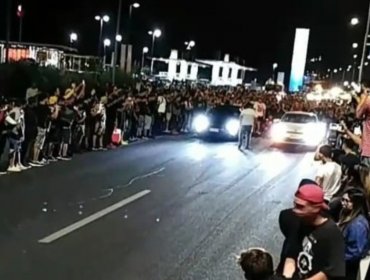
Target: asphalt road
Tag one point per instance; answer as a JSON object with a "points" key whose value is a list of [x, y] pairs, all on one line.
{"points": [[167, 209]]}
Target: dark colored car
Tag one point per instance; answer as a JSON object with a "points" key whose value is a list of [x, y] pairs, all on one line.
{"points": [[218, 121]]}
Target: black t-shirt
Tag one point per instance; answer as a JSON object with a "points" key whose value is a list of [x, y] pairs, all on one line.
{"points": [[42, 114], [321, 250]]}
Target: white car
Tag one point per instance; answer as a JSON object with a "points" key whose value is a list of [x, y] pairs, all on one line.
{"points": [[298, 128]]}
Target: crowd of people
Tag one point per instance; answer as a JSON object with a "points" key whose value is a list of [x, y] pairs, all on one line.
{"points": [[46, 127], [327, 232]]}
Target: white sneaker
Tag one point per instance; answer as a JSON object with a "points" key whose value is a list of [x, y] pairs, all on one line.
{"points": [[22, 167], [14, 169], [3, 173], [35, 164]]}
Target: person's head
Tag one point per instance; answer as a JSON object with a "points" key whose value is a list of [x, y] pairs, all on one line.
{"points": [[325, 153], [309, 202], [249, 105], [257, 264], [348, 145], [365, 86], [354, 204]]}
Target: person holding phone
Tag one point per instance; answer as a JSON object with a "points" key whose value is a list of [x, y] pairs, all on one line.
{"points": [[363, 111]]}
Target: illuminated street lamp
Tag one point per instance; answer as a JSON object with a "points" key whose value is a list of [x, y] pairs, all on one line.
{"points": [[107, 42], [355, 56], [145, 51], [355, 21], [190, 44], [119, 38], [355, 45], [102, 19], [155, 34], [73, 37]]}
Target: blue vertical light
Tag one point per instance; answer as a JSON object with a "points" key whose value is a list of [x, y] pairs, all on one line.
{"points": [[299, 59]]}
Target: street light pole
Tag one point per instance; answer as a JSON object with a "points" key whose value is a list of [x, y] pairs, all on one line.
{"points": [[116, 42], [364, 48], [8, 28]]}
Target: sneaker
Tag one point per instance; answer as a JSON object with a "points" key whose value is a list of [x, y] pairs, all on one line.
{"points": [[66, 158], [43, 162], [94, 149], [35, 164], [124, 143], [3, 173], [53, 159], [14, 169], [102, 149], [22, 167], [59, 157]]}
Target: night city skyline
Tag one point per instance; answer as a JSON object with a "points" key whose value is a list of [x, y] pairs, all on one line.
{"points": [[258, 33]]}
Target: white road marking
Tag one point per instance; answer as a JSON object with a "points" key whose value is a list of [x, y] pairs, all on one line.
{"points": [[69, 229]]}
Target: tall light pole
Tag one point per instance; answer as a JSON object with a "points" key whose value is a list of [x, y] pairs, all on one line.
{"points": [[155, 34], [361, 69], [274, 67], [115, 55], [20, 14], [101, 19], [107, 44], [145, 51], [8, 28], [132, 6]]}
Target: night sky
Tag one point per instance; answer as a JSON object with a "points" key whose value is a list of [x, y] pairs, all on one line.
{"points": [[259, 32]]}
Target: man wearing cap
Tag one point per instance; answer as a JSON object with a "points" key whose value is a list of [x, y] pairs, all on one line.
{"points": [[316, 251]]}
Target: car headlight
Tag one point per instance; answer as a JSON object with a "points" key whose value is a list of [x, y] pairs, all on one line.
{"points": [[278, 132], [200, 123], [232, 127]]}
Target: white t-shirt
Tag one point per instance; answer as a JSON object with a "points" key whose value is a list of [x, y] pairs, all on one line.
{"points": [[162, 104], [260, 109], [247, 117], [331, 174]]}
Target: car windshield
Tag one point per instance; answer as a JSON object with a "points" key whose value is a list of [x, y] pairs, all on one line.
{"points": [[225, 111], [298, 118]]}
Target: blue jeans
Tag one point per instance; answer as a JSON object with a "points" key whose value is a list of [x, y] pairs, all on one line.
{"points": [[245, 131]]}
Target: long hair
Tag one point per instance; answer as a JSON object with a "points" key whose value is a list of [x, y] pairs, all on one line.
{"points": [[359, 203]]}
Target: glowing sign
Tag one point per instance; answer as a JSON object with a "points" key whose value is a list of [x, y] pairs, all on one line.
{"points": [[299, 59]]}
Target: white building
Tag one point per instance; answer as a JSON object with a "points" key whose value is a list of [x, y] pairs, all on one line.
{"points": [[223, 73], [226, 72]]}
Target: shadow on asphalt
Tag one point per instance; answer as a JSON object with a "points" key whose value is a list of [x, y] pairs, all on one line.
{"points": [[293, 149]]}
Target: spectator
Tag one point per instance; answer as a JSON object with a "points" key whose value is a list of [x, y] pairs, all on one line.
{"points": [[32, 92], [320, 253], [100, 123], [42, 116], [257, 264], [363, 111], [329, 173], [354, 224]]}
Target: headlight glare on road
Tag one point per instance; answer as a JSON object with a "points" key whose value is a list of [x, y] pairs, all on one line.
{"points": [[200, 123], [278, 132], [232, 127], [314, 133]]}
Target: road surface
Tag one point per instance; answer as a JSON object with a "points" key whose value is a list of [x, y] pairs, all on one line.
{"points": [[174, 208]]}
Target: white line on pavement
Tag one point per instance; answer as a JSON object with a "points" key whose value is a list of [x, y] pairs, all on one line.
{"points": [[69, 229]]}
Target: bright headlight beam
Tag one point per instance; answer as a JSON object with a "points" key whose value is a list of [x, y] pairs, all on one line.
{"points": [[232, 127], [201, 123]]}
